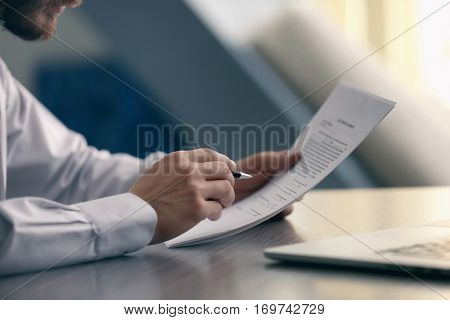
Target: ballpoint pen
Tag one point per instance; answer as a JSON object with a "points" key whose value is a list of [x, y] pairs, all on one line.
{"points": [[241, 175]]}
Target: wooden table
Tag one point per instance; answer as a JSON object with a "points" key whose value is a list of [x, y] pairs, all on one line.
{"points": [[235, 268]]}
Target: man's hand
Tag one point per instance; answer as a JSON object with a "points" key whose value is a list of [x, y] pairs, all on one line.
{"points": [[263, 166], [185, 188]]}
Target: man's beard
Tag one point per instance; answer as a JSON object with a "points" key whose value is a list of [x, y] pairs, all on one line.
{"points": [[32, 19]]}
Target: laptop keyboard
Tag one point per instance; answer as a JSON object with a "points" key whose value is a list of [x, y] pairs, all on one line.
{"points": [[430, 250]]}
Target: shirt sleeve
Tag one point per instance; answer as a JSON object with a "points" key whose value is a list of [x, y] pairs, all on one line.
{"points": [[65, 202], [39, 234], [46, 159]]}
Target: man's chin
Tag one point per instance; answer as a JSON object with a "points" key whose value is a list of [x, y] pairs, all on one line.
{"points": [[32, 30], [34, 20]]}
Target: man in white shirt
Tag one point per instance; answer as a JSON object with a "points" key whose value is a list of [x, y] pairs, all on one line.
{"points": [[63, 202]]}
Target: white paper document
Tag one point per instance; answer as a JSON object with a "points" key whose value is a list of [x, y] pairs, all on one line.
{"points": [[341, 124]]}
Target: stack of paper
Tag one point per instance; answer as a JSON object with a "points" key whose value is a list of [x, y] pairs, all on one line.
{"points": [[341, 124]]}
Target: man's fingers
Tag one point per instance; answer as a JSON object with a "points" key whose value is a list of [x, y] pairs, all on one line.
{"points": [[277, 162], [213, 210], [269, 163], [293, 158], [280, 161], [221, 191], [208, 155], [283, 214], [286, 211], [216, 170]]}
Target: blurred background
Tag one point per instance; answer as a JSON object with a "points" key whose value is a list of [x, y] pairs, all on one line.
{"points": [[116, 65]]}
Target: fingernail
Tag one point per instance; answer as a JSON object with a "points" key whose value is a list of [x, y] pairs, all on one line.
{"points": [[234, 164]]}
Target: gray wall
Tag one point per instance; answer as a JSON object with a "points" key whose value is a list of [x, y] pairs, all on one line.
{"points": [[75, 29], [171, 52], [184, 64]]}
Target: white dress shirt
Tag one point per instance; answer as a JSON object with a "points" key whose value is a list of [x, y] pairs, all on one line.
{"points": [[61, 201]]}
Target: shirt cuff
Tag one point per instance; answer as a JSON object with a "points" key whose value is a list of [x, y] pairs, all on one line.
{"points": [[122, 224]]}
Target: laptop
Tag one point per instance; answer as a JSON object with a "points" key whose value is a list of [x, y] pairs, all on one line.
{"points": [[417, 249]]}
